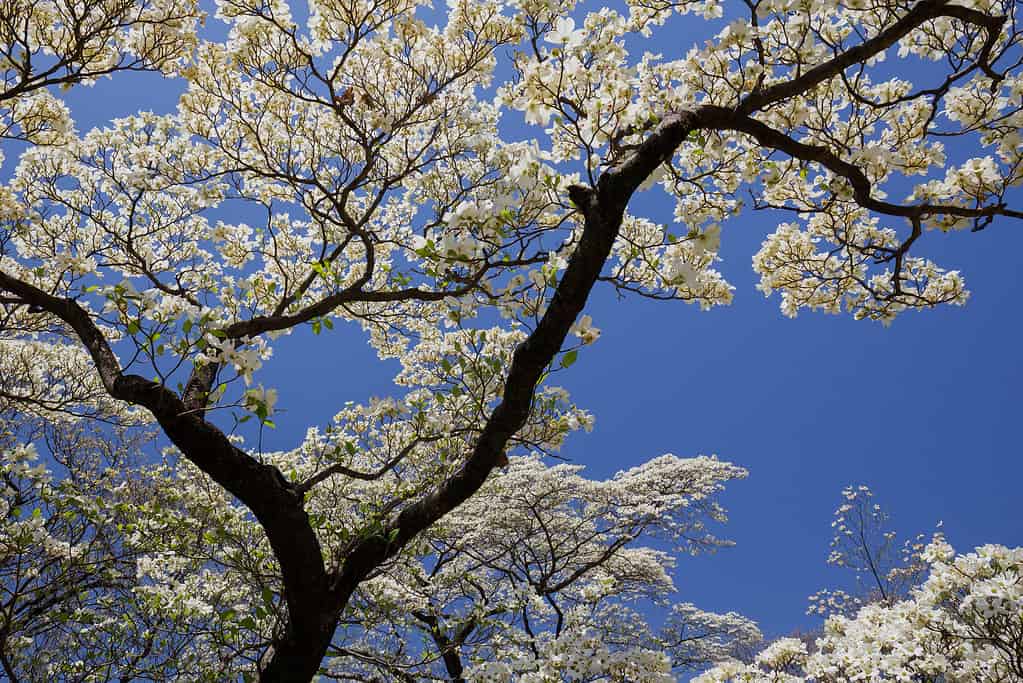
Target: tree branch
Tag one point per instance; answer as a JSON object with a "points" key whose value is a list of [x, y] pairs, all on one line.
{"points": [[262, 488], [923, 11], [721, 118], [602, 209]]}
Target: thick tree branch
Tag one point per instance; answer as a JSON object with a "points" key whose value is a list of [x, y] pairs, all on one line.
{"points": [[724, 119], [922, 12], [602, 209], [77, 319], [447, 648], [276, 503], [196, 395]]}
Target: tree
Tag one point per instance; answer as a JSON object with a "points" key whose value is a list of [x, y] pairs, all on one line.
{"points": [[963, 623], [885, 571], [148, 573], [538, 575], [368, 147], [919, 612]]}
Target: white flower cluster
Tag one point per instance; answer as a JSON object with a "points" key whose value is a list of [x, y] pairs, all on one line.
{"points": [[579, 656], [964, 623]]}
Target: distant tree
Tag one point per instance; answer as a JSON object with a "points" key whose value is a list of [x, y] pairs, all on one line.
{"points": [[351, 169], [865, 544], [916, 612], [964, 623]]}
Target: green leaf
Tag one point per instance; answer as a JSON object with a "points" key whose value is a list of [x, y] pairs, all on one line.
{"points": [[569, 358], [133, 327]]}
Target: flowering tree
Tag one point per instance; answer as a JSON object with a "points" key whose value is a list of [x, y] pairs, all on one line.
{"points": [[864, 544], [366, 148], [919, 612], [537, 577], [964, 623], [136, 571]]}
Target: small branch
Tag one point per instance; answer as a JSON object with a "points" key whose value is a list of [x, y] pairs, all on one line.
{"points": [[338, 468]]}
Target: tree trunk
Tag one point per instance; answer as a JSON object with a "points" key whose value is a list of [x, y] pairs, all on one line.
{"points": [[297, 659]]}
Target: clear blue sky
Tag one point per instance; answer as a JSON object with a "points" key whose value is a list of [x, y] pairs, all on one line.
{"points": [[927, 412]]}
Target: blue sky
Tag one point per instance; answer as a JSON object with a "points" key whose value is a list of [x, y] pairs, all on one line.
{"points": [[926, 412]]}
